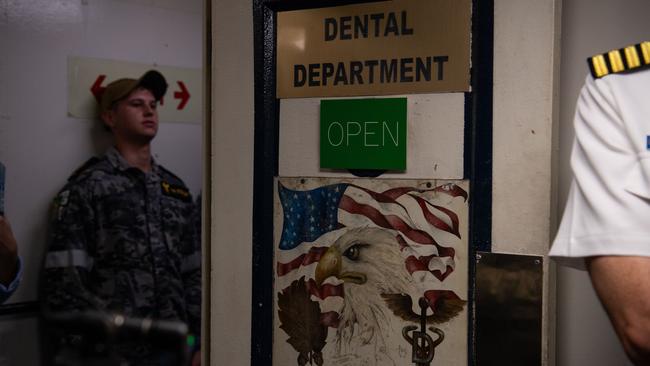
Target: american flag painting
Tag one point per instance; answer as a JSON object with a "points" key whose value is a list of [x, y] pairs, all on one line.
{"points": [[354, 257]]}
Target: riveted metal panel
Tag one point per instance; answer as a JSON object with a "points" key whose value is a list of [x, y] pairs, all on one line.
{"points": [[508, 309]]}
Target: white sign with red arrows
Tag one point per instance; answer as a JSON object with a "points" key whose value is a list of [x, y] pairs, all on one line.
{"points": [[87, 78]]}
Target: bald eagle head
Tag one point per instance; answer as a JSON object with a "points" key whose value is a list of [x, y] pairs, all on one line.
{"points": [[376, 285], [369, 263], [365, 258]]}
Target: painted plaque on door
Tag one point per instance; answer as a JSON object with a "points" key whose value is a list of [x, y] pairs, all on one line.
{"points": [[370, 272]]}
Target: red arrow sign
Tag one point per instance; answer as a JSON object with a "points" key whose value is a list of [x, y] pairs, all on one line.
{"points": [[183, 95], [97, 89]]}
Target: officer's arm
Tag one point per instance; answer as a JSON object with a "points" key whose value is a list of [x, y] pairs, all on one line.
{"points": [[624, 289], [69, 259]]}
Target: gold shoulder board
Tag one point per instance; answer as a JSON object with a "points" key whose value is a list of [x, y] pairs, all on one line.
{"points": [[624, 59]]}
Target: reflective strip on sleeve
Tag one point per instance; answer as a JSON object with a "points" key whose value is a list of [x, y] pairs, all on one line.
{"points": [[191, 262], [69, 258]]}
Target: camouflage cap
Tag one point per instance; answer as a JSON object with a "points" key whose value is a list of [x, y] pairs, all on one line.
{"points": [[152, 80]]}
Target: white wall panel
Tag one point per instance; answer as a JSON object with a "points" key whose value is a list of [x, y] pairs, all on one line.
{"points": [[232, 183], [526, 59]]}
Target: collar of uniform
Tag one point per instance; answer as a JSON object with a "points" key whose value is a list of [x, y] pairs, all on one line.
{"points": [[117, 160]]}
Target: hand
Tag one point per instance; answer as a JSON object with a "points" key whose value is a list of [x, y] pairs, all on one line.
{"points": [[196, 359], [8, 253]]}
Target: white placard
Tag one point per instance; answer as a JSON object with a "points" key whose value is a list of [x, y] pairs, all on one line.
{"points": [[436, 130]]}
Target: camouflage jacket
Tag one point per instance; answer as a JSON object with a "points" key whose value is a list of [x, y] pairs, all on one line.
{"points": [[124, 241]]}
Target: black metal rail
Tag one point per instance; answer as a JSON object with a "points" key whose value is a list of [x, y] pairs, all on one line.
{"points": [[20, 308]]}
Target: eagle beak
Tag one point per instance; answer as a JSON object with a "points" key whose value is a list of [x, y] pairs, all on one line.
{"points": [[329, 265]]}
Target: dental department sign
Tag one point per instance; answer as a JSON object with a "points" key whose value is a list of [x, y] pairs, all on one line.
{"points": [[391, 47]]}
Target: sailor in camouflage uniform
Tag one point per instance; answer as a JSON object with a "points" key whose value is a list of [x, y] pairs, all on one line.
{"points": [[124, 238]]}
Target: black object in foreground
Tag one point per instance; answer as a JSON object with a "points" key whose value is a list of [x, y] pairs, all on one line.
{"points": [[96, 335]]}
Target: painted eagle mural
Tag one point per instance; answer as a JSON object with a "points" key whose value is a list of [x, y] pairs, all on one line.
{"points": [[366, 258]]}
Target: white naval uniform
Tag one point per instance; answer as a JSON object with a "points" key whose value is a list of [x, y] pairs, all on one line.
{"points": [[608, 209]]}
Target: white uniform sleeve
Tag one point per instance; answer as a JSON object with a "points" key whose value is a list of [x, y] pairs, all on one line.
{"points": [[608, 211]]}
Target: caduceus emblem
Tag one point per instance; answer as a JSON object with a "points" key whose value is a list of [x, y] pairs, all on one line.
{"points": [[422, 345]]}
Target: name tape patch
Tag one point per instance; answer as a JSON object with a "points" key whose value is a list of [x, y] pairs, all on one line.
{"points": [[175, 191]]}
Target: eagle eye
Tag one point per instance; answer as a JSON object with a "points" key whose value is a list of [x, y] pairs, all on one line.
{"points": [[353, 252]]}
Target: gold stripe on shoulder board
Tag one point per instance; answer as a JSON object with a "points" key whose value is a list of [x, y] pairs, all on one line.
{"points": [[616, 61], [632, 57], [623, 59], [598, 66]]}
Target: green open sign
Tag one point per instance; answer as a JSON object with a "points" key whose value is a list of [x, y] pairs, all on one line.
{"points": [[363, 134]]}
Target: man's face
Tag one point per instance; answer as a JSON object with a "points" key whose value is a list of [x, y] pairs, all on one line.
{"points": [[134, 119]]}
